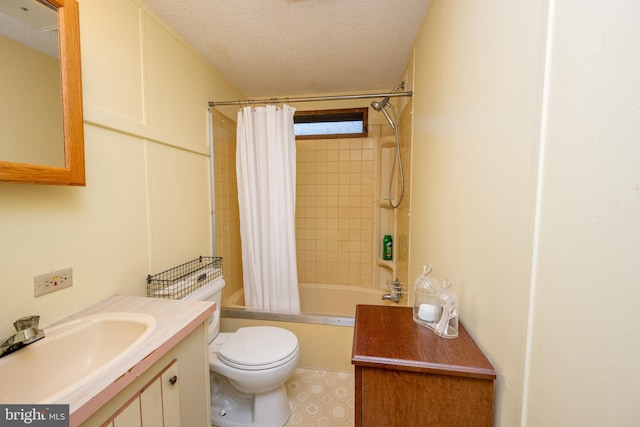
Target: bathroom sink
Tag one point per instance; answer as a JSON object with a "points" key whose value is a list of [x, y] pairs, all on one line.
{"points": [[71, 355]]}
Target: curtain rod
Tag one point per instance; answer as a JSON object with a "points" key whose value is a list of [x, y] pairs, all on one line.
{"points": [[308, 99]]}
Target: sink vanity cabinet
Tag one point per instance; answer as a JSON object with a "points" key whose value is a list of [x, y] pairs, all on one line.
{"points": [[163, 382], [406, 375]]}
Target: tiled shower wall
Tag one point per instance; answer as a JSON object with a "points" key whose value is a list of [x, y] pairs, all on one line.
{"points": [[404, 210], [226, 197], [334, 209]]}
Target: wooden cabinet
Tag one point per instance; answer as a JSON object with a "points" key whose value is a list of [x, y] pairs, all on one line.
{"points": [[406, 375]]}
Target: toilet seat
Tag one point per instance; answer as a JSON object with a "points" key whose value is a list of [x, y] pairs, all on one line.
{"points": [[258, 347]]}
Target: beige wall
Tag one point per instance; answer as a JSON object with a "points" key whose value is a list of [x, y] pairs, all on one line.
{"points": [[530, 204], [146, 204], [477, 89], [584, 337]]}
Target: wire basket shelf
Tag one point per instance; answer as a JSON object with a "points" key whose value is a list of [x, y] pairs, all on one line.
{"points": [[180, 281]]}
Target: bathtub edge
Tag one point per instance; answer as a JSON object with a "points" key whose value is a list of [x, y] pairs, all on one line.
{"points": [[321, 319]]}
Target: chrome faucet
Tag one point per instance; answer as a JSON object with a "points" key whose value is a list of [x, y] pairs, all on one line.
{"points": [[27, 333], [396, 291]]}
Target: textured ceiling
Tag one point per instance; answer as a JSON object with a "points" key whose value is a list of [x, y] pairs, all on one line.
{"points": [[290, 47]]}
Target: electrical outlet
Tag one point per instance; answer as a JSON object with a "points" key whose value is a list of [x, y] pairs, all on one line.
{"points": [[51, 282]]}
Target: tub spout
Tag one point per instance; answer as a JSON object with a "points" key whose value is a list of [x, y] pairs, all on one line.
{"points": [[389, 297], [396, 291]]}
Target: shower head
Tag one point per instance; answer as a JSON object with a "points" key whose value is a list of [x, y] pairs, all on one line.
{"points": [[379, 105]]}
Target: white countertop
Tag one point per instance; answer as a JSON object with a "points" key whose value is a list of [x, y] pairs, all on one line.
{"points": [[175, 320]]}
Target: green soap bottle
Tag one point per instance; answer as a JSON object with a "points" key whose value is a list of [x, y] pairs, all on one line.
{"points": [[387, 248]]}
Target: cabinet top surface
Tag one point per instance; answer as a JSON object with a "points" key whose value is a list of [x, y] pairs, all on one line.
{"points": [[387, 337]]}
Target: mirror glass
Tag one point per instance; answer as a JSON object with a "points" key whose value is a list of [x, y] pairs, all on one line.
{"points": [[31, 122], [41, 120]]}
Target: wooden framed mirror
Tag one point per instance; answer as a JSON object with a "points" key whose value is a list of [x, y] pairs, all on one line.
{"points": [[71, 170]]}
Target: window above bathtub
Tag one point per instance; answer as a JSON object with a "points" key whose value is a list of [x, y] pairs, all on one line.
{"points": [[325, 124]]}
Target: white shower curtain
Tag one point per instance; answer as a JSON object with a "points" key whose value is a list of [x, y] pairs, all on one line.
{"points": [[266, 171]]}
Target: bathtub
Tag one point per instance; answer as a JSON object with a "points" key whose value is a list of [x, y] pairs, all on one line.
{"points": [[324, 327]]}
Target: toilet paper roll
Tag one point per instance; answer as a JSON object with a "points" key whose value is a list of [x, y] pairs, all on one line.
{"points": [[427, 312]]}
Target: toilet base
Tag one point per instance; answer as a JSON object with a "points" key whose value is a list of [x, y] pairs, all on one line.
{"points": [[231, 408]]}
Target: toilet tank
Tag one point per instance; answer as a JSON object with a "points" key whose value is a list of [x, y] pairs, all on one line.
{"points": [[211, 291]]}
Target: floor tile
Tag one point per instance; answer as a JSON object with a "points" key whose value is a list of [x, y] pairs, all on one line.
{"points": [[320, 398]]}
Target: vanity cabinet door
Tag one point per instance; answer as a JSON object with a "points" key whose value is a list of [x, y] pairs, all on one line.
{"points": [[157, 404], [170, 398], [129, 417], [151, 404]]}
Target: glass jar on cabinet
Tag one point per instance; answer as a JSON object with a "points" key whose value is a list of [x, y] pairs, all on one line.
{"points": [[424, 305], [446, 310]]}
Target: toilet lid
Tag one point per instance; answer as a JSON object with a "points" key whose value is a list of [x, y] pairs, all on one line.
{"points": [[259, 347]]}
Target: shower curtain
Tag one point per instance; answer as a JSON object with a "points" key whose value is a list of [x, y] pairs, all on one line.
{"points": [[266, 172]]}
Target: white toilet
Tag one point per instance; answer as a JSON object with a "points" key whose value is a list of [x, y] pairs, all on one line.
{"points": [[248, 369]]}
